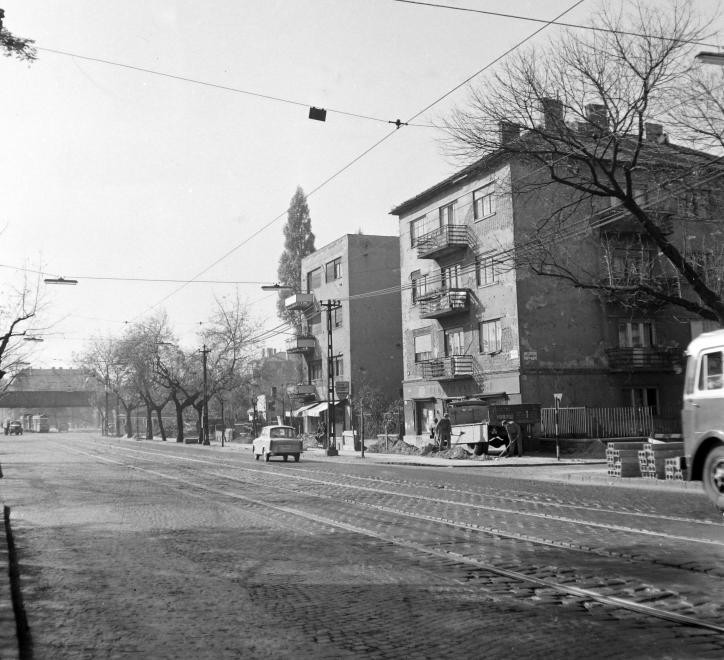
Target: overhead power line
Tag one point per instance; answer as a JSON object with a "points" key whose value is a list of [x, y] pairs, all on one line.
{"points": [[356, 159], [531, 19], [227, 88], [113, 278]]}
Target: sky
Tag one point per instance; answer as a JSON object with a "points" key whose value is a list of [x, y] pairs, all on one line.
{"points": [[113, 175]]}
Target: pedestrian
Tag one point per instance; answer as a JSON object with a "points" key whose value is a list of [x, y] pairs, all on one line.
{"points": [[432, 427], [515, 439], [443, 429]]}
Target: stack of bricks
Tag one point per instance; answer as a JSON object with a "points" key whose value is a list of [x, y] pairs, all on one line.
{"points": [[674, 468], [652, 458], [622, 459]]}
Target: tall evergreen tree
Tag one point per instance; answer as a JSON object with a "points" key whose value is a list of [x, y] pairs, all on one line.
{"points": [[298, 243]]}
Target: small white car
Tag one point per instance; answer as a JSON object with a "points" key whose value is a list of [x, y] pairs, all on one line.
{"points": [[277, 440]]}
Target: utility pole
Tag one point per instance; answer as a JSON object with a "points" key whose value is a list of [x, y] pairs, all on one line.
{"points": [[105, 387], [205, 409], [331, 448]]}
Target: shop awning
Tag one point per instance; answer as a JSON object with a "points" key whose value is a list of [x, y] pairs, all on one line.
{"points": [[301, 412], [318, 408]]}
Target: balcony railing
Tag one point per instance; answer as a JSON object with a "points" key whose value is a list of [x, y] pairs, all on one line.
{"points": [[301, 390], [299, 301], [617, 219], [443, 241], [644, 359], [301, 344], [447, 303], [448, 368]]}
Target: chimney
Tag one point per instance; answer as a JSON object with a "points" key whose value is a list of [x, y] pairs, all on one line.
{"points": [[654, 133], [509, 132], [597, 118], [552, 113]]}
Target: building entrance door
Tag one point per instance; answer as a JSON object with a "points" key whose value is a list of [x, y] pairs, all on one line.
{"points": [[424, 414]]}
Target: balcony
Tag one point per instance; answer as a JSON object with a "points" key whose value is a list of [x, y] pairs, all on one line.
{"points": [[618, 220], [644, 359], [443, 241], [447, 302], [448, 368], [301, 344], [302, 390], [299, 301]]}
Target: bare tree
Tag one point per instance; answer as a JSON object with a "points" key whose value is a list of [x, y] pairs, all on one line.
{"points": [[104, 360], [226, 336], [576, 118], [18, 304], [15, 46], [698, 108], [139, 350]]}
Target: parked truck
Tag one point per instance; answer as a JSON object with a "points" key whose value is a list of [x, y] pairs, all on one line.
{"points": [[702, 414], [478, 425]]}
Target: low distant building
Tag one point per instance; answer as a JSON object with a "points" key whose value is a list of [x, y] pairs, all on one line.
{"points": [[68, 398]]}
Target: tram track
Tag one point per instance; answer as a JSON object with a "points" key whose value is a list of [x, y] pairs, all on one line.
{"points": [[343, 480], [449, 554]]}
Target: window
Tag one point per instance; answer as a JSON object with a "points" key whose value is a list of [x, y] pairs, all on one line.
{"points": [[314, 279], [485, 271], [642, 397], [423, 347], [491, 337], [450, 277], [337, 317], [454, 342], [636, 334], [633, 264], [484, 201], [419, 285], [337, 366], [447, 214], [315, 370], [334, 269], [710, 374], [422, 226]]}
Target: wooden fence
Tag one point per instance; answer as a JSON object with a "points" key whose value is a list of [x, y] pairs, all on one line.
{"points": [[605, 423]]}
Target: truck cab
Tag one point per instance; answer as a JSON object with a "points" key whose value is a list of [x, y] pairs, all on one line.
{"points": [[702, 415]]}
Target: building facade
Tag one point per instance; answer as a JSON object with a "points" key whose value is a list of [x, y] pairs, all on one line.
{"points": [[475, 323], [350, 308]]}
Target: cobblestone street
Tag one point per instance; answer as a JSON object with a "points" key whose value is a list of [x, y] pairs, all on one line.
{"points": [[159, 550]]}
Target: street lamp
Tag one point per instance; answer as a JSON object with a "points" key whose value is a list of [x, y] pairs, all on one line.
{"points": [[276, 287], [60, 280], [708, 57]]}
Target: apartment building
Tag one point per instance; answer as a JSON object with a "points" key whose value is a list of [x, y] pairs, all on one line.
{"points": [[475, 323], [351, 323]]}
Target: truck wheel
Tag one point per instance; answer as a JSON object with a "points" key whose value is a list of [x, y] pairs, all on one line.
{"points": [[481, 448], [296, 458], [713, 476]]}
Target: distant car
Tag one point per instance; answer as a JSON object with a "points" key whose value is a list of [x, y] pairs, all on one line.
{"points": [[277, 440], [15, 428]]}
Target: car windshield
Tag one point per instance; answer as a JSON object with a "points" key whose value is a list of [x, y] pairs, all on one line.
{"points": [[282, 433]]}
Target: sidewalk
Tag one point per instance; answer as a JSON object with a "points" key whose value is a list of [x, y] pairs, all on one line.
{"points": [[535, 466]]}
